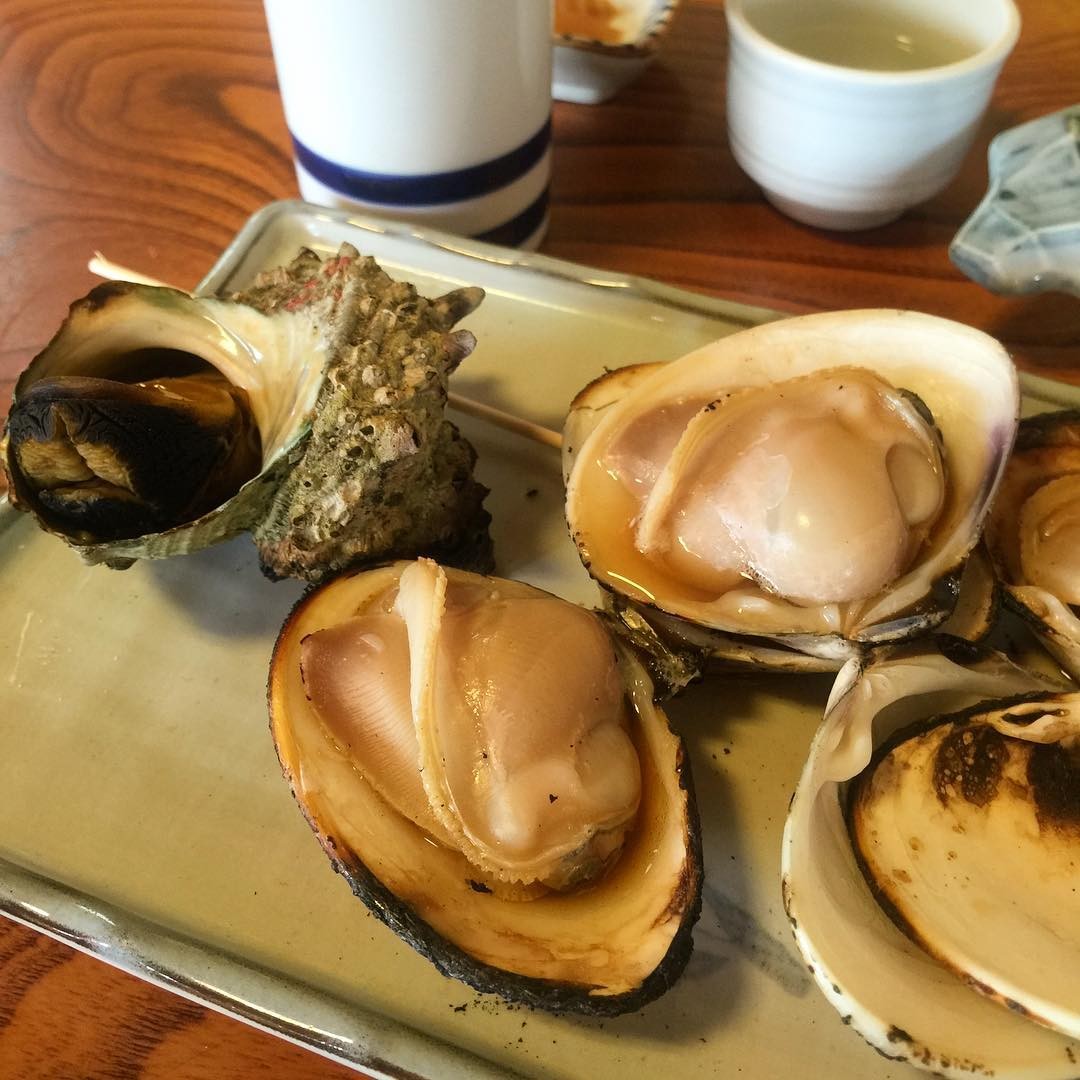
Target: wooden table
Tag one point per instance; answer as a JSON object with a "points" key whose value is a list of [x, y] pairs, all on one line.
{"points": [[151, 131]]}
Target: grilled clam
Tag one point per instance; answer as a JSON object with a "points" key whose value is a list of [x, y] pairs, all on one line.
{"points": [[930, 860], [798, 491], [486, 767], [1033, 534], [308, 410]]}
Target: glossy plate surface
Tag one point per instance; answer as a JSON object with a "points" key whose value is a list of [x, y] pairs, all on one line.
{"points": [[143, 817]]}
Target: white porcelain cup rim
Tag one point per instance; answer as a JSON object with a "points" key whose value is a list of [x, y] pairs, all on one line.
{"points": [[993, 52]]}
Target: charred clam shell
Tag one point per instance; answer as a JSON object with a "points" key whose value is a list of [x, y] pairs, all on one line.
{"points": [[930, 860], [1033, 534], [307, 410], [798, 491], [486, 767]]}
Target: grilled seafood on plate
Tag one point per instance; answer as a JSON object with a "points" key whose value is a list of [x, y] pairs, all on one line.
{"points": [[485, 765], [307, 410], [798, 491], [931, 859], [1033, 534]]}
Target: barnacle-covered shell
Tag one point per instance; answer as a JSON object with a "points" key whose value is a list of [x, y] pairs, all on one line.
{"points": [[959, 895], [506, 797], [1033, 534], [345, 373], [796, 492]]}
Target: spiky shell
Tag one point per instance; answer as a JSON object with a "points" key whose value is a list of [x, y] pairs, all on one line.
{"points": [[346, 372]]}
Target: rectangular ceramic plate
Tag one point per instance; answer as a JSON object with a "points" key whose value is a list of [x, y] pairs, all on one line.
{"points": [[143, 817]]}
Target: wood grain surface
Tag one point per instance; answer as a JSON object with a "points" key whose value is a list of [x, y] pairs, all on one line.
{"points": [[152, 130]]}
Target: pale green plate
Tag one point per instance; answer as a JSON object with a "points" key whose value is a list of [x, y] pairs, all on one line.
{"points": [[143, 817]]}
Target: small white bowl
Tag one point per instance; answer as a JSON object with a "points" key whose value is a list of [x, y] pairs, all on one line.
{"points": [[841, 146], [602, 45]]}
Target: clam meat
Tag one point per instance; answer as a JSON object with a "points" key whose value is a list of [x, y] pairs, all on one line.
{"points": [[809, 486], [485, 765]]}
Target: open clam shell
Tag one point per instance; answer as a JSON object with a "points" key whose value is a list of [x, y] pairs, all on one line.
{"points": [[1033, 534], [638, 440], [410, 841], [344, 371], [904, 1002]]}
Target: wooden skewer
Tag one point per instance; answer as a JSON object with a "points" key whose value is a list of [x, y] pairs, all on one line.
{"points": [[505, 420], [110, 271]]}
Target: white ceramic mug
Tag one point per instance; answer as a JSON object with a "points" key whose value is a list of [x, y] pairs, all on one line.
{"points": [[847, 112], [432, 111]]}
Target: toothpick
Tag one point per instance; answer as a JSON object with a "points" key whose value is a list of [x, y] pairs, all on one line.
{"points": [[506, 420], [106, 268]]}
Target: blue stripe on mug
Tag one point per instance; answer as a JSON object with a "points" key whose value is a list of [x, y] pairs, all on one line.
{"points": [[519, 228], [429, 189]]}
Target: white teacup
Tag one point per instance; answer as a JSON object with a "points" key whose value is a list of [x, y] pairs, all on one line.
{"points": [[433, 111], [847, 112]]}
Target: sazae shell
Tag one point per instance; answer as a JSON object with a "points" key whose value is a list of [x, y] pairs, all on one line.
{"points": [[344, 371]]}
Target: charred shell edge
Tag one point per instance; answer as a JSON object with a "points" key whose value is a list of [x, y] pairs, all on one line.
{"points": [[678, 652], [1034, 433], [887, 1039], [895, 1043], [849, 792], [672, 660], [1040, 430], [545, 994]]}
